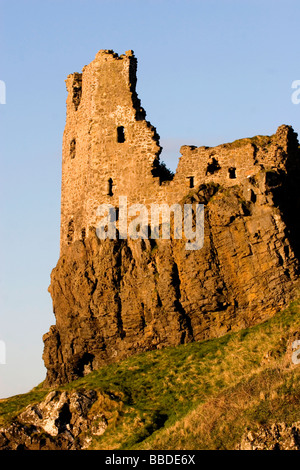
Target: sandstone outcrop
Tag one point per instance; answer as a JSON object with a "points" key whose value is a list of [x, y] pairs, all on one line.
{"points": [[279, 436], [59, 422], [114, 298]]}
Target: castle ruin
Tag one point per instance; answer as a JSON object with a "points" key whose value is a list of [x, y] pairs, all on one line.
{"points": [[110, 150], [115, 298]]}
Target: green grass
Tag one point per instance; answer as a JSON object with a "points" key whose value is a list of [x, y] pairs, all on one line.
{"points": [[199, 395], [258, 140]]}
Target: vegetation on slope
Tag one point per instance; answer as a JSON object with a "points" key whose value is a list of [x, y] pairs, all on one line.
{"points": [[195, 396]]}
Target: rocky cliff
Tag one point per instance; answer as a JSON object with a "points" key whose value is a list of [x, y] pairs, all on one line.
{"points": [[114, 298]]}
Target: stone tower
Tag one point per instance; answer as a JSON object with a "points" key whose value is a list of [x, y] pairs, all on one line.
{"points": [[109, 149]]}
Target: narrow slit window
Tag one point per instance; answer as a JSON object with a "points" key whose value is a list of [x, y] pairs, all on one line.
{"points": [[77, 89], [109, 187], [232, 173], [73, 148], [70, 233], [191, 181], [121, 134]]}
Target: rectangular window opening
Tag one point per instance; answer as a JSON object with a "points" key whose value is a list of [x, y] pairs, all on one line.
{"points": [[191, 181], [232, 173], [121, 134]]}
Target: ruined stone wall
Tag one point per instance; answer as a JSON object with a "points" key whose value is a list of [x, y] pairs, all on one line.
{"points": [[243, 163], [110, 150]]}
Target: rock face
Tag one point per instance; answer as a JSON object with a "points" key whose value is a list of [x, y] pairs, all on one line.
{"points": [[279, 436], [59, 422], [113, 298]]}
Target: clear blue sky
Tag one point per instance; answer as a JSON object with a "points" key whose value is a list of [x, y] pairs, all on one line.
{"points": [[209, 72]]}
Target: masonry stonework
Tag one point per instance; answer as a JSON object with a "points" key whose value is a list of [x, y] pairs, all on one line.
{"points": [[99, 166]]}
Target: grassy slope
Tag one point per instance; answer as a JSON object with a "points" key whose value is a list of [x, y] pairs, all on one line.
{"points": [[196, 396]]}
